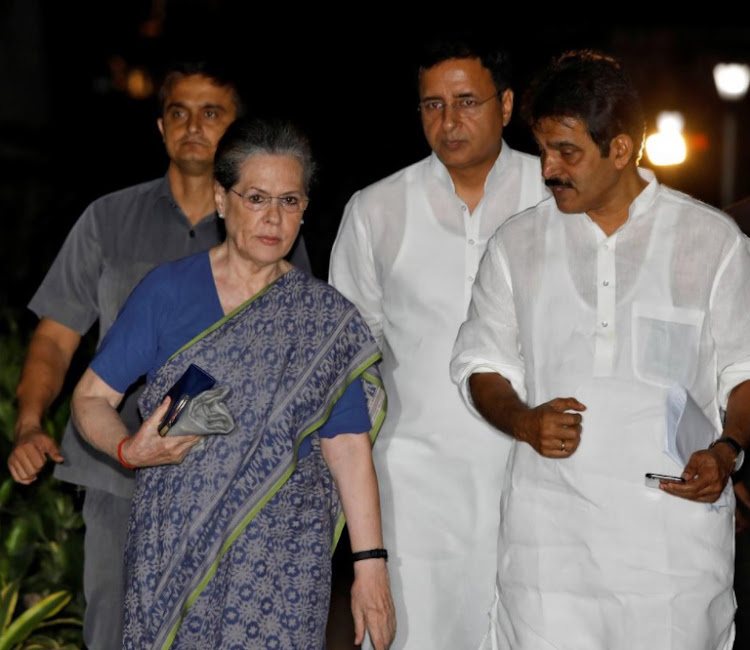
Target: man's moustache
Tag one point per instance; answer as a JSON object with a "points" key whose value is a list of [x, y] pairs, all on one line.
{"points": [[556, 182]]}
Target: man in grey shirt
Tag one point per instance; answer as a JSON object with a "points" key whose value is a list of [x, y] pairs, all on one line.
{"points": [[115, 242]]}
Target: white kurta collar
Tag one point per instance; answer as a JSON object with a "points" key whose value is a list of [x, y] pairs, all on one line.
{"points": [[499, 168], [439, 171], [638, 207], [646, 198]]}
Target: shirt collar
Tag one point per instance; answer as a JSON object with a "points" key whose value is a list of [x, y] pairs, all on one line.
{"points": [[164, 192], [499, 168], [640, 205], [643, 201], [440, 172]]}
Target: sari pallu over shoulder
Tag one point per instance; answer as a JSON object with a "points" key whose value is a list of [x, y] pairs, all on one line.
{"points": [[287, 354]]}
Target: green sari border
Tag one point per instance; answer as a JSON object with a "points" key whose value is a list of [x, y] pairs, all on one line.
{"points": [[374, 431], [225, 318], [361, 370]]}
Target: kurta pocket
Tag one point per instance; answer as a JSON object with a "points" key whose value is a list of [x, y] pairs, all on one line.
{"points": [[666, 342]]}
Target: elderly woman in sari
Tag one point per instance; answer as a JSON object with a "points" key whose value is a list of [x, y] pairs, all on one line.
{"points": [[230, 540]]}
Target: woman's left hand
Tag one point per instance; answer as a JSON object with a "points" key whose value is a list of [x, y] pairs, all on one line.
{"points": [[372, 605], [147, 448], [94, 408]]}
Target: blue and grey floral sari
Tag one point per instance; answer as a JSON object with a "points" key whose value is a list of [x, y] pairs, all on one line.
{"points": [[231, 548]]}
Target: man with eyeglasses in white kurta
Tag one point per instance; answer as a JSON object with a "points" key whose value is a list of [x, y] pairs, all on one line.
{"points": [[406, 254]]}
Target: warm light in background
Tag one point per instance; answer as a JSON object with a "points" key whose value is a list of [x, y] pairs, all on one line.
{"points": [[667, 146], [670, 122], [732, 80], [139, 84]]}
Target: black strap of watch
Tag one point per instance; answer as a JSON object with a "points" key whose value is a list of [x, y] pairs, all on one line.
{"points": [[372, 553], [740, 453], [730, 441]]}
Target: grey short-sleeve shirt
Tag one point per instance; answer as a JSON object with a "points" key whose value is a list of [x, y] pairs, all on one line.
{"points": [[116, 241]]}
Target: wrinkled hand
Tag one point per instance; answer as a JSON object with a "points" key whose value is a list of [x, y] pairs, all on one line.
{"points": [[372, 605], [550, 428], [29, 455], [706, 474], [147, 448]]}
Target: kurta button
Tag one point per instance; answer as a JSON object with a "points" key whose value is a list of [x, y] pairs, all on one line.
{"points": [[471, 278], [606, 247], [606, 283], [471, 242], [604, 323], [463, 207]]}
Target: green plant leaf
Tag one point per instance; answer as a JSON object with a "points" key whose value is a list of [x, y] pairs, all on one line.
{"points": [[19, 536], [6, 489], [40, 643], [62, 621], [27, 622], [41, 528], [8, 601], [17, 549]]}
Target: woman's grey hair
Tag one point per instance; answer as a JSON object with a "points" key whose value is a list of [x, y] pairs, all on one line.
{"points": [[247, 137]]}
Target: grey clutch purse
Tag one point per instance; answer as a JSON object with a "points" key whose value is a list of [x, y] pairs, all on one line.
{"points": [[203, 414]]}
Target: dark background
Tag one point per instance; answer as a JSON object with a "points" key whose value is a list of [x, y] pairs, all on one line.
{"points": [[70, 130]]}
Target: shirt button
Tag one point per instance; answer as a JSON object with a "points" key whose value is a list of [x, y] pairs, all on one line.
{"points": [[606, 247], [606, 283], [471, 242], [605, 323], [192, 234], [464, 208], [471, 278]]}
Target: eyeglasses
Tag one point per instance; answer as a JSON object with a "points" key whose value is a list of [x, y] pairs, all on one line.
{"points": [[463, 106], [257, 201]]}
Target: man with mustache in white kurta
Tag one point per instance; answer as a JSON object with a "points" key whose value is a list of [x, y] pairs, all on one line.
{"points": [[589, 310]]}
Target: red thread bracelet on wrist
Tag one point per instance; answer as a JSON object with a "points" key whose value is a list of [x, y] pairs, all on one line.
{"points": [[123, 462]]}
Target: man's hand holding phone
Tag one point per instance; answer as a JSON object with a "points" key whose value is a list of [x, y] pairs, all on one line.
{"points": [[655, 480], [706, 474]]}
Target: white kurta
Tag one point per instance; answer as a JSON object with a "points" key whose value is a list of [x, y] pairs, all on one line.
{"points": [[588, 556], [406, 254]]}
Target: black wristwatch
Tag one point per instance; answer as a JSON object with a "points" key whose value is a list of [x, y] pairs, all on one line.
{"points": [[737, 449], [380, 553]]}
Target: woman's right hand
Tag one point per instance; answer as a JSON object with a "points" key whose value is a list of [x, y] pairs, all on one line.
{"points": [[146, 448]]}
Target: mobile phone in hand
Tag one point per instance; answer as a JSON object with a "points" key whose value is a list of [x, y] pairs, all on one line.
{"points": [[193, 382], [653, 479]]}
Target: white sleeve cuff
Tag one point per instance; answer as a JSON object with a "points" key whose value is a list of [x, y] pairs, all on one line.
{"points": [[732, 376], [513, 374]]}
